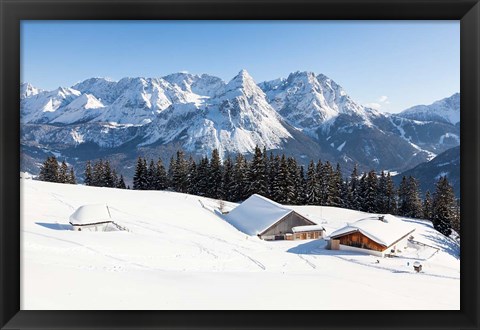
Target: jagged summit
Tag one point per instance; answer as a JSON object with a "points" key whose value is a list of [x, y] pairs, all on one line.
{"points": [[27, 90], [244, 83]]}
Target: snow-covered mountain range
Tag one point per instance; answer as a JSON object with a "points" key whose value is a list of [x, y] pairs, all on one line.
{"points": [[305, 115]]}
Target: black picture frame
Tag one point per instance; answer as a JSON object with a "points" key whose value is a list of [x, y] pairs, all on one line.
{"points": [[13, 11]]}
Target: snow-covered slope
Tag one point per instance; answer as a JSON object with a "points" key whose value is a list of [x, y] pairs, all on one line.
{"points": [[178, 254], [444, 110]]}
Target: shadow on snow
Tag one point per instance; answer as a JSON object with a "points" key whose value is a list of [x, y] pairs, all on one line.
{"points": [[55, 226]]}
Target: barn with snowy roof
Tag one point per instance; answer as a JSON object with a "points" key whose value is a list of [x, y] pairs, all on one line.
{"points": [[93, 217], [269, 220], [376, 235]]}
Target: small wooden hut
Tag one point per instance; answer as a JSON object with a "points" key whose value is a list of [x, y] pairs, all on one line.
{"points": [[377, 235], [269, 220]]}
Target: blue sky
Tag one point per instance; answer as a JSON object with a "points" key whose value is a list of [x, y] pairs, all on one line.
{"points": [[389, 65]]}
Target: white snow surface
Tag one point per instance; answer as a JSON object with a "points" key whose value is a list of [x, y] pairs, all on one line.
{"points": [[300, 229], [383, 232], [179, 254], [91, 213], [256, 214]]}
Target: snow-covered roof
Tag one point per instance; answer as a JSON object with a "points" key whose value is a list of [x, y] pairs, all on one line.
{"points": [[256, 214], [300, 229], [89, 214], [385, 232]]}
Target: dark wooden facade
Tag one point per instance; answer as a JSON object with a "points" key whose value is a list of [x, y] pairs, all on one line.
{"points": [[285, 225], [357, 239]]}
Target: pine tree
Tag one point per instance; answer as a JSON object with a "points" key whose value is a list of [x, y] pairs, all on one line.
{"points": [[301, 187], [121, 183], [161, 176], [140, 176], [272, 169], [403, 207], [382, 199], [415, 200], [107, 178], [114, 178], [321, 182], [312, 194], [410, 204], [215, 176], [334, 189], [71, 178], [42, 175], [427, 206], [151, 176], [281, 185], [240, 178], [344, 194], [63, 173], [256, 175], [444, 207], [370, 193], [390, 196], [192, 177], [180, 172], [456, 220], [266, 171], [202, 176], [353, 190], [362, 192], [88, 174], [292, 181], [97, 175], [228, 180], [171, 169]]}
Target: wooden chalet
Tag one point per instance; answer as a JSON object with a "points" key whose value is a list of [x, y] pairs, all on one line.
{"points": [[378, 235], [269, 220]]}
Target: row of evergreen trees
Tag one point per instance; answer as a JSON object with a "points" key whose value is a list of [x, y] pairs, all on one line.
{"points": [[51, 171], [279, 178], [101, 174]]}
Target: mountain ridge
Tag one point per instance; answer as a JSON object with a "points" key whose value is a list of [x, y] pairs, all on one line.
{"points": [[201, 112]]}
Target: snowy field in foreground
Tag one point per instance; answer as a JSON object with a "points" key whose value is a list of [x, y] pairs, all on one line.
{"points": [[180, 255]]}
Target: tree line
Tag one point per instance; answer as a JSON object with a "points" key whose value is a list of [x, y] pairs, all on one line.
{"points": [[52, 171], [283, 180], [101, 174]]}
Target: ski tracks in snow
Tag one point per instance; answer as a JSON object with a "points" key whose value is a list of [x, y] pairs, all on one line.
{"points": [[256, 262], [108, 256], [311, 264]]}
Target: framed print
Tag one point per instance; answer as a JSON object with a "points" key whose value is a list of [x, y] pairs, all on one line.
{"points": [[239, 164]]}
